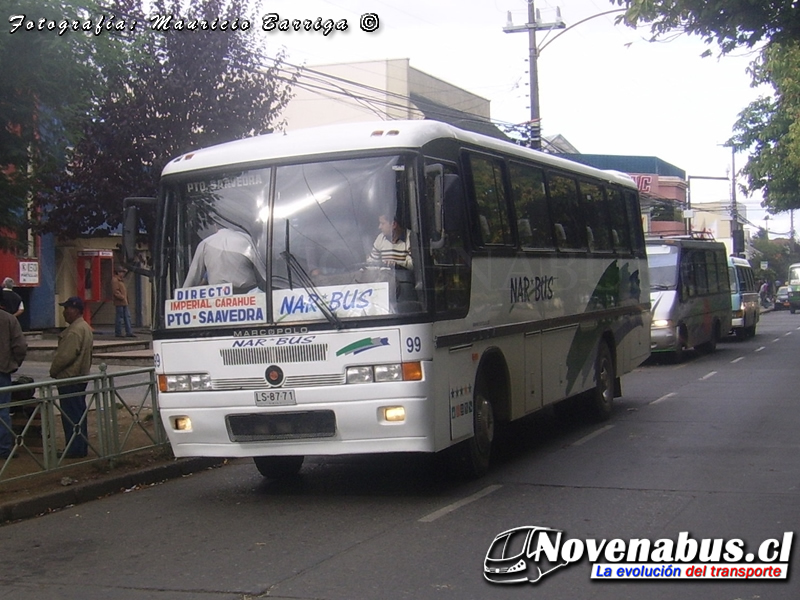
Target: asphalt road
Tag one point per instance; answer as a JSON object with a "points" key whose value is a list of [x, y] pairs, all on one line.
{"points": [[708, 447]]}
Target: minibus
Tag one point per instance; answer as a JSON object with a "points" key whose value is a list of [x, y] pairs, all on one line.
{"points": [[689, 294], [744, 298]]}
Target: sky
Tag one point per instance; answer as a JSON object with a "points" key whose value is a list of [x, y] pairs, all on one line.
{"points": [[604, 87]]}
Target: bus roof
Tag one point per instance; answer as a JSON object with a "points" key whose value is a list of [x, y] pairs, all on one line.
{"points": [[354, 137]]}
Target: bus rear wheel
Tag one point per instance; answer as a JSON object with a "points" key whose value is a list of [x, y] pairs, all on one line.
{"points": [[471, 457], [602, 400], [278, 467]]}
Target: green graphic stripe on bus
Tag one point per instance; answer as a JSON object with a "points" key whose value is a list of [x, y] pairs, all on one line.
{"points": [[615, 287], [363, 346]]}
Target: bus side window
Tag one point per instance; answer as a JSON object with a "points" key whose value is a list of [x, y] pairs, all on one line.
{"points": [[565, 208], [620, 230], [596, 210], [490, 200], [634, 214], [530, 204]]}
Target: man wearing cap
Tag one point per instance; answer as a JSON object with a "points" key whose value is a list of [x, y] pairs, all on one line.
{"points": [[13, 349], [73, 358]]}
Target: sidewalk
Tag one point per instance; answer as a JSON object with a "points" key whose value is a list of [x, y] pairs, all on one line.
{"points": [[82, 482]]}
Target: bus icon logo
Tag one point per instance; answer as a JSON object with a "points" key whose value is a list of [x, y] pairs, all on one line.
{"points": [[516, 555]]}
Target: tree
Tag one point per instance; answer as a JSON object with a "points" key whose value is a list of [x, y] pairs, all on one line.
{"points": [[48, 82], [770, 129], [179, 90], [730, 23]]}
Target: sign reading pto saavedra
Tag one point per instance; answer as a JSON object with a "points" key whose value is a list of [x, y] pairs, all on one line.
{"points": [[213, 305], [218, 305]]}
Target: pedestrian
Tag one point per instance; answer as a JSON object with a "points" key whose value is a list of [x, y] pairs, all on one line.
{"points": [[763, 292], [13, 348], [122, 318], [73, 358], [11, 301]]}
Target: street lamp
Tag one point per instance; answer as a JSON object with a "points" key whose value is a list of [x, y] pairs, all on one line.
{"points": [[533, 25]]}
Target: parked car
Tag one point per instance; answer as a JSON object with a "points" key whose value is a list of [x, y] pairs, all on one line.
{"points": [[782, 298]]}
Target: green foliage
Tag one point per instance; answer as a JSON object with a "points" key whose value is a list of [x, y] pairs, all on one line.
{"points": [[778, 254], [730, 23], [175, 91], [770, 129], [48, 84]]}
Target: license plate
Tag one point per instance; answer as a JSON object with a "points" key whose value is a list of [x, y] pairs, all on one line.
{"points": [[275, 398]]}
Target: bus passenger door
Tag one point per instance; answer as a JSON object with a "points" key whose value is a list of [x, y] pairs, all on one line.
{"points": [[556, 344], [533, 372]]}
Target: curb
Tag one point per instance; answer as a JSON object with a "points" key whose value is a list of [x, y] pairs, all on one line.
{"points": [[85, 492]]}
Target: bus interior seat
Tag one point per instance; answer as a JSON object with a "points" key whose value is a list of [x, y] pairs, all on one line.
{"points": [[561, 235], [485, 231]]}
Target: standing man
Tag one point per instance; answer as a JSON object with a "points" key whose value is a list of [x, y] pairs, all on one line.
{"points": [[13, 348], [120, 294], [73, 358], [11, 300]]}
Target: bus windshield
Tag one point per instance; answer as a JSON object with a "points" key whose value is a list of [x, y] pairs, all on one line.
{"points": [[662, 262], [296, 243]]}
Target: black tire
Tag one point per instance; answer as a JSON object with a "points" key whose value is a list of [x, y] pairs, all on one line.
{"points": [[710, 346], [278, 467], [605, 378], [471, 457], [679, 353]]}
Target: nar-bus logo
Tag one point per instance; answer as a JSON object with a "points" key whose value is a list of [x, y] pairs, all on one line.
{"points": [[526, 554]]}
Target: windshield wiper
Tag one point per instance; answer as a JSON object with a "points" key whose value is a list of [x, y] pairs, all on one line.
{"points": [[308, 285]]}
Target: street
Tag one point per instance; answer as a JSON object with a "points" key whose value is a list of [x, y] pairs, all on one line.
{"points": [[708, 446]]}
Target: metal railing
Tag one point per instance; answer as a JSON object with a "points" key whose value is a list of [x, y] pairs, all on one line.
{"points": [[121, 417]]}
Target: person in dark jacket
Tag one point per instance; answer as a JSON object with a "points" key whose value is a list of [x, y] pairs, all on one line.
{"points": [[13, 349], [73, 358]]}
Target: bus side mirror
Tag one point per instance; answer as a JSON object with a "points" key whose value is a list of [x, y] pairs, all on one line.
{"points": [[130, 231]]}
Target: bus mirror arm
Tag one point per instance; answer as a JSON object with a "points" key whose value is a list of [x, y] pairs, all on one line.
{"points": [[130, 231]]}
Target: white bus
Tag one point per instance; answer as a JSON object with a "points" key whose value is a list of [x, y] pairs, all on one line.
{"points": [[516, 279]]}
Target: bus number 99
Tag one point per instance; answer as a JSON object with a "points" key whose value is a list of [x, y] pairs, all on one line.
{"points": [[413, 344]]}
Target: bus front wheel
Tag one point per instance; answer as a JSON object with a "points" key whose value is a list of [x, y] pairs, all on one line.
{"points": [[471, 457], [278, 467]]}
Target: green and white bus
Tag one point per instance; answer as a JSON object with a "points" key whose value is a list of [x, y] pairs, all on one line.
{"points": [[524, 283]]}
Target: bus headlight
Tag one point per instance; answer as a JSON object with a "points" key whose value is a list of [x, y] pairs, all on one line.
{"points": [[188, 382], [660, 323], [411, 371], [388, 373]]}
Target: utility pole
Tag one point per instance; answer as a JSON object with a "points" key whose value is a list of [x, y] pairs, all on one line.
{"points": [[533, 25], [737, 231]]}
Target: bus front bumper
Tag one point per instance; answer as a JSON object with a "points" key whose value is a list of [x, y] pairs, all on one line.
{"points": [[329, 427]]}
